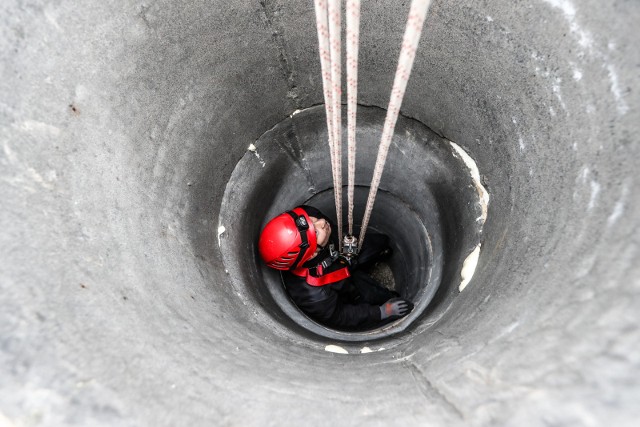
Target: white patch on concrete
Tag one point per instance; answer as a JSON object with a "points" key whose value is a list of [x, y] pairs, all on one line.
{"points": [[594, 185], [399, 149], [483, 195], [584, 174], [506, 331], [585, 40], [618, 209], [555, 87], [241, 298], [365, 350], [595, 190], [621, 105], [576, 72], [521, 143], [51, 176], [82, 92], [52, 18], [8, 152], [512, 327], [490, 19], [577, 75], [30, 172], [569, 11], [35, 127], [221, 230], [294, 113], [335, 349], [36, 177], [552, 111], [254, 150], [469, 268], [584, 265]]}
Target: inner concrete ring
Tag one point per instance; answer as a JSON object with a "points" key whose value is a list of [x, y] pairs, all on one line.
{"points": [[290, 165]]}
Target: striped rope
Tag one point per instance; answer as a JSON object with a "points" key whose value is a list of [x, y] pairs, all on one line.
{"points": [[353, 35], [335, 10], [415, 21], [325, 66]]}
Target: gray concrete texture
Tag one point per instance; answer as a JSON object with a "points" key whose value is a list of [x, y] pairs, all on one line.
{"points": [[122, 121]]}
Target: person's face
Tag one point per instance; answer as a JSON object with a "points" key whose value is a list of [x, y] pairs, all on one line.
{"points": [[323, 231]]}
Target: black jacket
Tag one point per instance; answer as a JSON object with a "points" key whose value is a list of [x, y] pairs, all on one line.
{"points": [[338, 304]]}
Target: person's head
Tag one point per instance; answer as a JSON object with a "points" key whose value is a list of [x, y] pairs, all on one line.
{"points": [[293, 238]]}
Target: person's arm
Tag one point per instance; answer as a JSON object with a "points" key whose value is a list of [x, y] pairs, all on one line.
{"points": [[317, 302], [323, 305], [354, 315]]}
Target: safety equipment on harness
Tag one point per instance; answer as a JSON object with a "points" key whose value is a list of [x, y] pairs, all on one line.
{"points": [[350, 246], [288, 240], [396, 307], [318, 276], [326, 262], [325, 279]]}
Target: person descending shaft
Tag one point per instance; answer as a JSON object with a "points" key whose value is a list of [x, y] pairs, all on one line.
{"points": [[332, 289]]}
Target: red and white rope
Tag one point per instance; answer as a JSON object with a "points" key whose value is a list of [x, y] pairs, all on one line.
{"points": [[415, 21], [335, 41], [353, 35], [322, 26]]}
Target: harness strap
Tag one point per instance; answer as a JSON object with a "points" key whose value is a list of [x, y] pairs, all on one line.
{"points": [[303, 226], [326, 279]]}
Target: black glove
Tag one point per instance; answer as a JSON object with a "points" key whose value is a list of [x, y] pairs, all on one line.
{"points": [[396, 307]]}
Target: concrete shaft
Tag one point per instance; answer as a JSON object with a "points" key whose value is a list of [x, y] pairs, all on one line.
{"points": [[122, 121]]}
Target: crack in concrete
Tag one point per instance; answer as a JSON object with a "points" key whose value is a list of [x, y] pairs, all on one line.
{"points": [[431, 392], [269, 11]]}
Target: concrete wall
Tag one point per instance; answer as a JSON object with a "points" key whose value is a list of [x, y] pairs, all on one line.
{"points": [[121, 123]]}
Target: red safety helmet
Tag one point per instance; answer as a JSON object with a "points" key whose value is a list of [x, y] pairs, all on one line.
{"points": [[288, 240]]}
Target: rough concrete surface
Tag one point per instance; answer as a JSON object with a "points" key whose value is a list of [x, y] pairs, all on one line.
{"points": [[121, 123]]}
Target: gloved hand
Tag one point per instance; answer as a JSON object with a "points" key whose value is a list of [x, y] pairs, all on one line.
{"points": [[396, 307]]}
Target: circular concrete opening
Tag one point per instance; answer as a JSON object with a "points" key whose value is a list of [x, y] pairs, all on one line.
{"points": [[289, 165], [122, 125]]}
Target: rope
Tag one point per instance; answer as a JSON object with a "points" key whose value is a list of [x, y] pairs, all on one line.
{"points": [[326, 43], [328, 22], [415, 21], [353, 34], [325, 66], [335, 9]]}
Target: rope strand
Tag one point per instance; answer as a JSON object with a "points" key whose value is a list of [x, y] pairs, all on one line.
{"points": [[353, 34], [335, 9], [415, 21], [325, 66]]}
